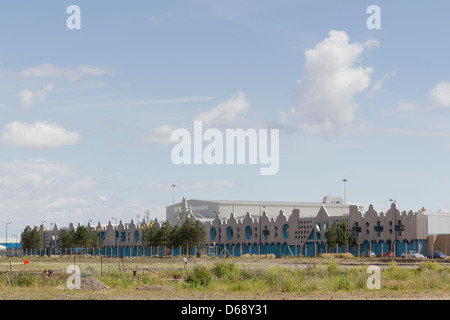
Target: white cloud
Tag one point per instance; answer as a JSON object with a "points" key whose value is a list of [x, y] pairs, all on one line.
{"points": [[222, 114], [41, 166], [406, 106], [38, 135], [27, 98], [226, 112], [324, 99], [371, 43], [33, 190], [174, 100], [160, 135], [48, 70], [439, 96], [379, 83]]}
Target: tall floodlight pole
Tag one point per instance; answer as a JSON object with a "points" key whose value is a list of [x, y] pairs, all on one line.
{"points": [[116, 235], [345, 180], [7, 237], [395, 229], [260, 230], [43, 238], [173, 193]]}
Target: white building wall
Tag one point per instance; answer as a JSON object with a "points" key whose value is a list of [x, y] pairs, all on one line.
{"points": [[438, 223]]}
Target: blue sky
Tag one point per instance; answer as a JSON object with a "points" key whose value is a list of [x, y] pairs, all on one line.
{"points": [[86, 115]]}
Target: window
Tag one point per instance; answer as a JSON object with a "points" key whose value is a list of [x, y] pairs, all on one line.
{"points": [[213, 234], [248, 232], [286, 231], [230, 233]]}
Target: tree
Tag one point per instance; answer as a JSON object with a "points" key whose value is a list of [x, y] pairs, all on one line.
{"points": [[66, 238], [338, 234], [161, 235], [192, 233], [81, 237], [175, 237], [31, 238], [84, 237]]}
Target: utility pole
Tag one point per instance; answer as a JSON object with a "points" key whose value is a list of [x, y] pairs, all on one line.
{"points": [[395, 227], [345, 180], [116, 235], [260, 231], [173, 193], [7, 237]]}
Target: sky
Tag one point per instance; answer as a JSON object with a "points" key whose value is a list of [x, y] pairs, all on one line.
{"points": [[88, 110]]}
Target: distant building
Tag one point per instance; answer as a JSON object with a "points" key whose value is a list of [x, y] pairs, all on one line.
{"points": [[280, 228], [11, 243], [288, 228]]}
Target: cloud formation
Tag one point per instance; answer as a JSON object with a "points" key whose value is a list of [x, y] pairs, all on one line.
{"points": [[27, 98], [48, 70], [226, 112], [38, 135], [222, 114], [439, 95], [324, 99], [160, 135]]}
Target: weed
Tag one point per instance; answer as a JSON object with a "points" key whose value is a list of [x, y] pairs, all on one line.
{"points": [[199, 276]]}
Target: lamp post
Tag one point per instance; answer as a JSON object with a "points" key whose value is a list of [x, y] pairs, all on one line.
{"points": [[219, 233], [116, 235], [15, 245], [43, 238], [173, 193], [260, 230], [7, 237], [344, 181], [395, 229]]}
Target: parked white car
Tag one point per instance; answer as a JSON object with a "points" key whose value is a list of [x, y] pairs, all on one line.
{"points": [[412, 254]]}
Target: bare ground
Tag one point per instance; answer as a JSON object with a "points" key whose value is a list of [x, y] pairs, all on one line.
{"points": [[92, 288]]}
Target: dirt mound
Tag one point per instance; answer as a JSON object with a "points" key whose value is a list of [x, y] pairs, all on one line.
{"points": [[92, 284], [156, 287]]}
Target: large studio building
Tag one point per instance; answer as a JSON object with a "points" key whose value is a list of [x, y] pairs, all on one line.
{"points": [[235, 228], [285, 228]]}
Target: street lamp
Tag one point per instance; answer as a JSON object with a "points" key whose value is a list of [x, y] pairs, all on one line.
{"points": [[43, 238], [260, 232], [116, 235], [15, 245], [395, 229], [7, 237], [345, 180], [173, 193], [219, 232]]}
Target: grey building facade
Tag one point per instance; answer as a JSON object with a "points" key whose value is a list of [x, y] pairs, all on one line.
{"points": [[280, 228]]}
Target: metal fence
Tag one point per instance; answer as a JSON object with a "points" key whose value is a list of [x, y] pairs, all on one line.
{"points": [[229, 250]]}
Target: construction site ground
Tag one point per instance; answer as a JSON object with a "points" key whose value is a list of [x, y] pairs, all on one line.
{"points": [[94, 289]]}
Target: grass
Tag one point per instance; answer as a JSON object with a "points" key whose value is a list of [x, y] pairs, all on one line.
{"points": [[213, 276]]}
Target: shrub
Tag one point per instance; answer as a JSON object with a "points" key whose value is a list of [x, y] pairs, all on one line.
{"points": [[396, 273], [199, 276], [222, 269]]}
